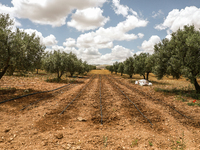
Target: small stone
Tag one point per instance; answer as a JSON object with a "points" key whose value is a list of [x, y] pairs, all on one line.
{"points": [[59, 136], [81, 119], [7, 130]]}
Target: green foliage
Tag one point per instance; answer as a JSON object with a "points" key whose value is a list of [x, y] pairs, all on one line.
{"points": [[56, 62], [18, 50], [121, 68], [72, 64], [115, 67], [143, 64], [179, 56], [110, 68], [129, 66]]}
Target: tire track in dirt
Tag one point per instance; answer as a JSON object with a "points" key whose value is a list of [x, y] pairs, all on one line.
{"points": [[183, 120], [150, 112], [53, 120]]}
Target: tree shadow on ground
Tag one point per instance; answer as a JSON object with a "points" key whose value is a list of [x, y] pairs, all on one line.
{"points": [[187, 93]]}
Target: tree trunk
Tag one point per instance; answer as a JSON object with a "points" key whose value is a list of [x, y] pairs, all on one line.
{"points": [[148, 76], [11, 70], [121, 74], [5, 68], [4, 71], [131, 76], [197, 87], [37, 71], [61, 75], [143, 76], [71, 73], [58, 76]]}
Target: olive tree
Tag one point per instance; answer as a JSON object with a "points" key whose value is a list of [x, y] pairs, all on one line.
{"points": [[121, 68], [110, 68], [143, 64], [179, 56], [56, 62], [72, 64], [129, 66], [18, 50], [115, 67]]}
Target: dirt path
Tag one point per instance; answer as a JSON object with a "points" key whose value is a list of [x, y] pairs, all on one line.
{"points": [[42, 126]]}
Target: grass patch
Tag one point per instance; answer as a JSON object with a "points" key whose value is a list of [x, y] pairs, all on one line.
{"points": [[7, 90], [179, 92], [56, 80], [181, 98]]}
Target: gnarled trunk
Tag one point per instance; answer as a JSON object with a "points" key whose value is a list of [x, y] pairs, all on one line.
{"points": [[197, 87], [147, 76], [5, 68]]}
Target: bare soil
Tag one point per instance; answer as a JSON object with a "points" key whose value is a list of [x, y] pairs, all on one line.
{"points": [[81, 126]]}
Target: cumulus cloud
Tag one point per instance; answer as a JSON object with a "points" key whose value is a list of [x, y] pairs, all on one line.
{"points": [[53, 12], [87, 19], [120, 9], [70, 42], [103, 37], [148, 46], [118, 53], [47, 41], [50, 40], [178, 18]]}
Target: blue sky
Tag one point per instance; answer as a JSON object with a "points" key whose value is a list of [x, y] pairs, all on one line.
{"points": [[102, 31]]}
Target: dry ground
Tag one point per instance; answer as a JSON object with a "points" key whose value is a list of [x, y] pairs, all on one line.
{"points": [[41, 126]]}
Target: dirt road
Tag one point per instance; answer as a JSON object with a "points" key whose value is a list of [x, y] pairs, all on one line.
{"points": [[83, 125]]}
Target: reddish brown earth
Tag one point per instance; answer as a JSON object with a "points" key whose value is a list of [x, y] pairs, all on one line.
{"points": [[41, 126]]}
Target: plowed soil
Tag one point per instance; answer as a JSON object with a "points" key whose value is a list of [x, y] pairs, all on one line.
{"points": [[44, 124]]}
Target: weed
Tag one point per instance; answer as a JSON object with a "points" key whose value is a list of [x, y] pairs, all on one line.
{"points": [[179, 144], [181, 98], [150, 143], [134, 143], [190, 104], [105, 138]]}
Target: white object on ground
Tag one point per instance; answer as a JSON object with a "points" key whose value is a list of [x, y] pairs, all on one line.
{"points": [[143, 82]]}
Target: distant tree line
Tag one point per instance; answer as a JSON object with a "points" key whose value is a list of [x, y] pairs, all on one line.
{"points": [[179, 56], [22, 52]]}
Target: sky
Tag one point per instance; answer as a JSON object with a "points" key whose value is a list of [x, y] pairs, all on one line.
{"points": [[102, 31]]}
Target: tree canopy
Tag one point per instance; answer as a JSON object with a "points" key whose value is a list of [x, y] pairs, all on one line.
{"points": [[18, 50], [179, 56]]}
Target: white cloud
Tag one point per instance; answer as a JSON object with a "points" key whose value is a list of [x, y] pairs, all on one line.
{"points": [[103, 37], [177, 19], [140, 35], [47, 41], [50, 40], [159, 13], [148, 46], [120, 9], [118, 53], [51, 12], [10, 11], [87, 19], [70, 42]]}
